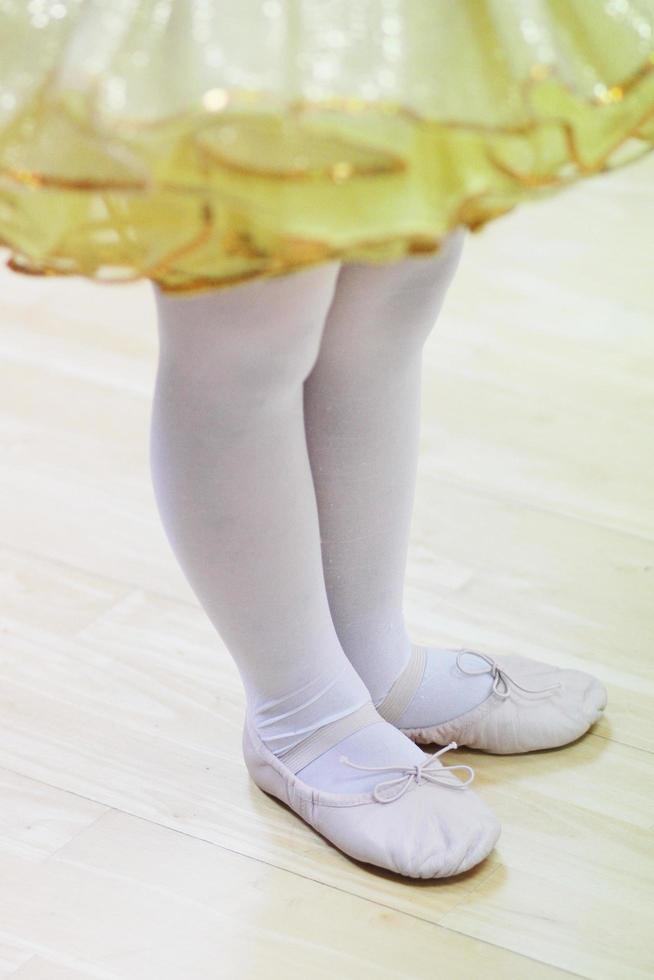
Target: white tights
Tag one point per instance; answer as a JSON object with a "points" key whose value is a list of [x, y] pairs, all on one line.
{"points": [[286, 411]]}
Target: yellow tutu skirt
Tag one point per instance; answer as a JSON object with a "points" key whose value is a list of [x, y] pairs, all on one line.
{"points": [[201, 143]]}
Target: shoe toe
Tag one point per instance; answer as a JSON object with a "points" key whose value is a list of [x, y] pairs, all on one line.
{"points": [[595, 699], [442, 836], [483, 842], [549, 722], [583, 700]]}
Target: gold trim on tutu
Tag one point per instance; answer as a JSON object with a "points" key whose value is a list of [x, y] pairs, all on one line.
{"points": [[239, 185]]}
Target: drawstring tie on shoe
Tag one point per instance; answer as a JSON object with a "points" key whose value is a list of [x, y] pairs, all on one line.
{"points": [[501, 679], [429, 771]]}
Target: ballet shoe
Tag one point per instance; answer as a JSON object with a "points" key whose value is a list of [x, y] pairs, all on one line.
{"points": [[532, 705], [420, 821]]}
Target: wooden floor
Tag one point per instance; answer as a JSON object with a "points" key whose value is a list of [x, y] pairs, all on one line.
{"points": [[120, 709]]}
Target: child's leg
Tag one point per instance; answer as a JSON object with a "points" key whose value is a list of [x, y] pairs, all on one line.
{"points": [[234, 488], [362, 408], [362, 412]]}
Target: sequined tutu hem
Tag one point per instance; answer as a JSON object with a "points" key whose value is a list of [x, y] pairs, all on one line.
{"points": [[241, 183]]}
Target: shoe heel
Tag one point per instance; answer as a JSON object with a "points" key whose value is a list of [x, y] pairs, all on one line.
{"points": [[261, 772]]}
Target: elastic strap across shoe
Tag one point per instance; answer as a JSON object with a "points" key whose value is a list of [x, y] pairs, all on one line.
{"points": [[404, 687], [329, 735]]}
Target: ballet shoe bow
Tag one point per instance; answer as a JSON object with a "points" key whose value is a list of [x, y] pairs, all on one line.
{"points": [[501, 679], [429, 771]]}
